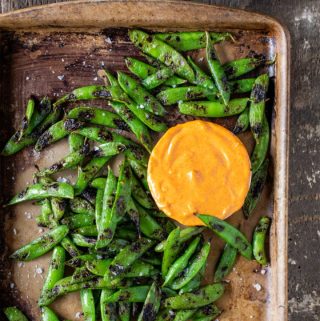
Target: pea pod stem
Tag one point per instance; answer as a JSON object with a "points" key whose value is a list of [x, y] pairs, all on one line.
{"points": [[259, 238]]}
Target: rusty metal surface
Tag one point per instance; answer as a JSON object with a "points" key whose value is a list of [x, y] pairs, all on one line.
{"points": [[52, 62]]}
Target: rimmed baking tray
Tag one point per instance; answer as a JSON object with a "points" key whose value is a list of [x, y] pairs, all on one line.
{"points": [[51, 49]]}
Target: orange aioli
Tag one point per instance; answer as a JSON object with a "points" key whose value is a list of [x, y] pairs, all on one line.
{"points": [[199, 167]]}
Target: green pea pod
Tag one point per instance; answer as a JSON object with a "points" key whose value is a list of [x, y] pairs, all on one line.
{"points": [[143, 70], [208, 312], [58, 206], [226, 263], [185, 41], [239, 67], [79, 205], [110, 216], [193, 268], [139, 170], [160, 50], [242, 123], [112, 249], [98, 267], [84, 241], [51, 119], [98, 208], [217, 71], [126, 233], [213, 108], [257, 106], [13, 145], [123, 260], [108, 310], [78, 220], [81, 260], [27, 118], [171, 251], [41, 245], [56, 132], [166, 315], [97, 116], [90, 230], [201, 78], [229, 234], [172, 96], [242, 86], [124, 311], [87, 303], [184, 315], [261, 148], [200, 298], [158, 78], [257, 183], [14, 314], [75, 142], [70, 247], [140, 195], [151, 305], [133, 294], [46, 218], [259, 238], [70, 161], [48, 315], [41, 191], [84, 93], [81, 274], [134, 123], [140, 95], [55, 270], [181, 263], [99, 183], [193, 284], [88, 172], [185, 235]]}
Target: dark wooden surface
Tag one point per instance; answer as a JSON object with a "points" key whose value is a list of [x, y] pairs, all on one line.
{"points": [[302, 18]]}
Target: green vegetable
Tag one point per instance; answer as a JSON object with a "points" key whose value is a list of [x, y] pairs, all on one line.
{"points": [[226, 263], [259, 237], [88, 307], [152, 304], [14, 314]]}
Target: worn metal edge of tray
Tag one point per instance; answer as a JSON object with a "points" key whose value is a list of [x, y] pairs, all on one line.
{"points": [[102, 14]]}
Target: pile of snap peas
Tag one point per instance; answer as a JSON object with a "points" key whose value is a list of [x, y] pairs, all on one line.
{"points": [[129, 261]]}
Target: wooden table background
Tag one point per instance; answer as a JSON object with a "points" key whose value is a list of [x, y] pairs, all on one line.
{"points": [[302, 18]]}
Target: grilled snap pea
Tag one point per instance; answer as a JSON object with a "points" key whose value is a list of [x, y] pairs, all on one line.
{"points": [[84, 241], [213, 108], [242, 123], [124, 311], [181, 263], [160, 50], [207, 313], [193, 268], [242, 86], [257, 106], [88, 306], [97, 116], [78, 220], [184, 315], [58, 206], [41, 245], [56, 268], [226, 263], [14, 314], [200, 298], [79, 205], [41, 191], [158, 78], [217, 72], [185, 41], [259, 238], [257, 183], [48, 315], [193, 284], [133, 294], [151, 305], [90, 230], [140, 195], [70, 247], [108, 310], [75, 142], [140, 95], [229, 234]]}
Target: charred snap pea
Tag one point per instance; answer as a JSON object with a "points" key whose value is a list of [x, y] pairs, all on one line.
{"points": [[97, 116], [88, 306], [42, 191], [160, 50], [242, 123], [193, 268], [213, 108], [257, 106], [151, 305], [193, 284], [78, 220], [58, 206], [181, 263], [14, 314], [108, 310], [81, 274], [226, 263], [259, 238], [41, 245], [56, 132], [242, 86], [75, 142], [79, 205], [140, 95], [158, 78], [140, 195], [207, 313], [133, 294], [70, 247], [81, 260], [139, 170], [48, 315], [124, 311], [13, 145], [257, 183], [90, 230], [171, 251], [200, 298], [136, 125], [84, 241], [229, 234], [184, 315], [185, 41], [46, 218], [261, 147], [217, 72], [56, 268]]}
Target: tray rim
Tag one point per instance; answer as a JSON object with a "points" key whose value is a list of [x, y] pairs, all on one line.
{"points": [[46, 17]]}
